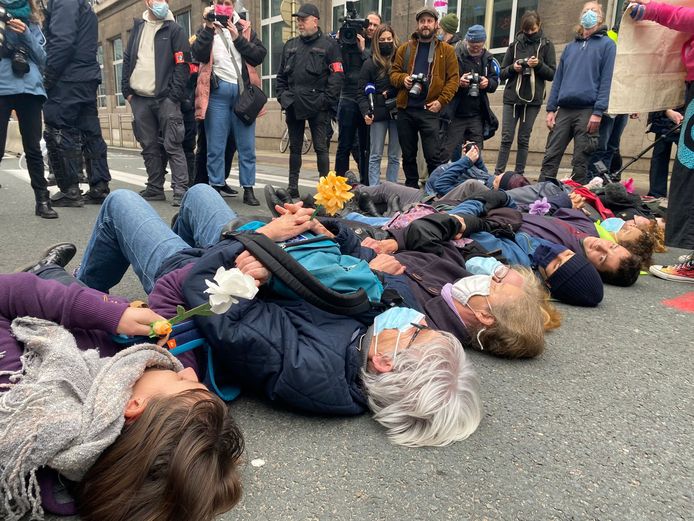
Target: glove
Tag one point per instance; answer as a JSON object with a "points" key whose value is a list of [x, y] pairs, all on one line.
{"points": [[636, 11]]}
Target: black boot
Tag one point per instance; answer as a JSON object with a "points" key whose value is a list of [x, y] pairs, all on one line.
{"points": [[44, 208], [249, 196], [70, 199], [271, 199], [394, 205], [97, 193], [367, 206], [293, 186], [59, 254], [283, 196], [352, 178]]}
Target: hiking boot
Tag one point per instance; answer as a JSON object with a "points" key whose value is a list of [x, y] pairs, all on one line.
{"points": [[249, 196], [59, 254], [683, 272], [70, 199], [152, 195]]}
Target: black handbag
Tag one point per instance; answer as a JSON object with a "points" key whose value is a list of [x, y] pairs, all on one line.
{"points": [[251, 99]]}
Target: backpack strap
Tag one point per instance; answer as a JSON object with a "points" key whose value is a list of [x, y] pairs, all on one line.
{"points": [[298, 279]]}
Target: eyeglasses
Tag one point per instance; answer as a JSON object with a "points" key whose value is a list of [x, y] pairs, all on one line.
{"points": [[419, 328], [500, 272]]}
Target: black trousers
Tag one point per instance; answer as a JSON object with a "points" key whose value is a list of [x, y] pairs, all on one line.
{"points": [[319, 134], [411, 124], [352, 131], [28, 109]]}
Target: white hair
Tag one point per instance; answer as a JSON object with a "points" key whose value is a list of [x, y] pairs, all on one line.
{"points": [[430, 398]]}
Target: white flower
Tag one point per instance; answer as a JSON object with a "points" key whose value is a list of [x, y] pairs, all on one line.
{"points": [[229, 284]]}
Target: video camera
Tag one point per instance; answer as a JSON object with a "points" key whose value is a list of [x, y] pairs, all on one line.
{"points": [[525, 68], [474, 88], [419, 84], [352, 25]]}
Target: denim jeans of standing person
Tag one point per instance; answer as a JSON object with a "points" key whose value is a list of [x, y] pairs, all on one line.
{"points": [[220, 119], [660, 165], [611, 130], [377, 136], [522, 116], [129, 232], [351, 130]]}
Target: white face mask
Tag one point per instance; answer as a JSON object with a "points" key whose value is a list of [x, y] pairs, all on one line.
{"points": [[468, 287]]}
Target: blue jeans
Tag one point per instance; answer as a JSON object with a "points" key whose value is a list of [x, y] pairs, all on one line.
{"points": [[128, 231], [220, 119], [378, 139], [373, 221]]}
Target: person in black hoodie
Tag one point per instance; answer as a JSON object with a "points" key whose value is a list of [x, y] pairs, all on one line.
{"points": [[471, 117], [377, 110], [529, 62]]}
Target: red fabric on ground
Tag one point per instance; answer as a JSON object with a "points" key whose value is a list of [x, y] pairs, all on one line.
{"points": [[682, 303]]}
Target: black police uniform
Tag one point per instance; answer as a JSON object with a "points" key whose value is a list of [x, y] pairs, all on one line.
{"points": [[309, 81], [70, 113]]}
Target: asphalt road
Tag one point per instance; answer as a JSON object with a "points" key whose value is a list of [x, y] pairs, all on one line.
{"points": [[598, 427]]}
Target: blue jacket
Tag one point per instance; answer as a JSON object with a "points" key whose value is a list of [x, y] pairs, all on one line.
{"points": [[446, 177], [584, 75], [32, 82], [72, 35]]}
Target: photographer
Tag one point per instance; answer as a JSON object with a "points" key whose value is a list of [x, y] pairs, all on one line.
{"points": [[225, 46], [70, 115], [425, 72], [309, 80], [529, 62], [375, 76], [352, 37], [21, 90], [471, 116]]}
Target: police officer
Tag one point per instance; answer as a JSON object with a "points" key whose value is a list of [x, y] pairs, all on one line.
{"points": [[70, 115], [309, 81]]}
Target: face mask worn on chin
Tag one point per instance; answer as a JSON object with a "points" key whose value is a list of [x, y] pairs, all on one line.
{"points": [[468, 287], [546, 253], [386, 49], [395, 318], [613, 224], [160, 10], [589, 19]]}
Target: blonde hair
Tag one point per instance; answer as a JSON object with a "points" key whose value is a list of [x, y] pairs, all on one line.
{"points": [[550, 313]]}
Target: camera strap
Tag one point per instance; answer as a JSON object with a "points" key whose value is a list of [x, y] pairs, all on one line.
{"points": [[232, 58], [430, 58]]}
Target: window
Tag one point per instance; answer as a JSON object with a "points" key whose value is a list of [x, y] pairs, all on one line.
{"points": [[117, 47], [101, 92], [183, 19], [274, 32]]}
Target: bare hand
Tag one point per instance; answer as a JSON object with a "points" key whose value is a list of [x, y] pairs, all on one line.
{"points": [[233, 30], [17, 25], [136, 321], [674, 116], [533, 62], [249, 265], [208, 9], [368, 119], [361, 43], [384, 246], [594, 124], [387, 264], [551, 119], [484, 82], [408, 82], [577, 201], [464, 81], [473, 154], [286, 226], [434, 106], [463, 227], [517, 66]]}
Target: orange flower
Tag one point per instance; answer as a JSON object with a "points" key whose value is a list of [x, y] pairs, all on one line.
{"points": [[161, 327], [333, 193]]}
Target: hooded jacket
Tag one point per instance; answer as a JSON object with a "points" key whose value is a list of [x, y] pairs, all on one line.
{"points": [[584, 75], [32, 82], [172, 53], [443, 77], [526, 90]]}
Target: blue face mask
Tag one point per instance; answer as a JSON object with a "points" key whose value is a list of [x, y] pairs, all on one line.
{"points": [[546, 253], [395, 318], [160, 10], [440, 36], [613, 224], [589, 19]]}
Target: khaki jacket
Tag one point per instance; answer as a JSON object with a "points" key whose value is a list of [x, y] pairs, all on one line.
{"points": [[444, 74]]}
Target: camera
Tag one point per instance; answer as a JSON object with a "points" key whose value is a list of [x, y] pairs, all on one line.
{"points": [[352, 26], [419, 84], [525, 68], [474, 88], [4, 18], [20, 61], [221, 14], [469, 145]]}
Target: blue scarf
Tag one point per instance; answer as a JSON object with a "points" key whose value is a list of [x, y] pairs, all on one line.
{"points": [[19, 9]]}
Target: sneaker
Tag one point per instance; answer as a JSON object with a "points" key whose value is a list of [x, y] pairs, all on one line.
{"points": [[683, 272], [152, 195], [227, 191], [684, 258]]}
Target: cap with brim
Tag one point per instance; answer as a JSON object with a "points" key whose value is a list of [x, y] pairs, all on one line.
{"points": [[576, 282], [428, 11], [307, 10]]}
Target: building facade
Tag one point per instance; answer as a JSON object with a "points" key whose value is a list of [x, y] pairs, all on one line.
{"points": [[272, 20]]}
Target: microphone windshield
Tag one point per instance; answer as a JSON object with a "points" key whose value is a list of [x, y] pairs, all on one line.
{"points": [[370, 89]]}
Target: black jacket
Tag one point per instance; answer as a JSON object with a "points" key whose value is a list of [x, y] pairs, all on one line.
{"points": [[71, 42], [310, 75], [252, 52], [369, 74], [523, 47], [171, 69]]}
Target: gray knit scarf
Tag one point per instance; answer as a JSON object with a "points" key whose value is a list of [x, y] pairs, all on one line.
{"points": [[63, 409]]}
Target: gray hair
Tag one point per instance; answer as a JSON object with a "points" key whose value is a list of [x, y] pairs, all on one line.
{"points": [[430, 398]]}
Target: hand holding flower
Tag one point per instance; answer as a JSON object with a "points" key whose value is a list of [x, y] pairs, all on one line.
{"points": [[136, 321]]}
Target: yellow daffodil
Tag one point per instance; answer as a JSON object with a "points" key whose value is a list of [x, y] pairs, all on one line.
{"points": [[333, 192]]}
